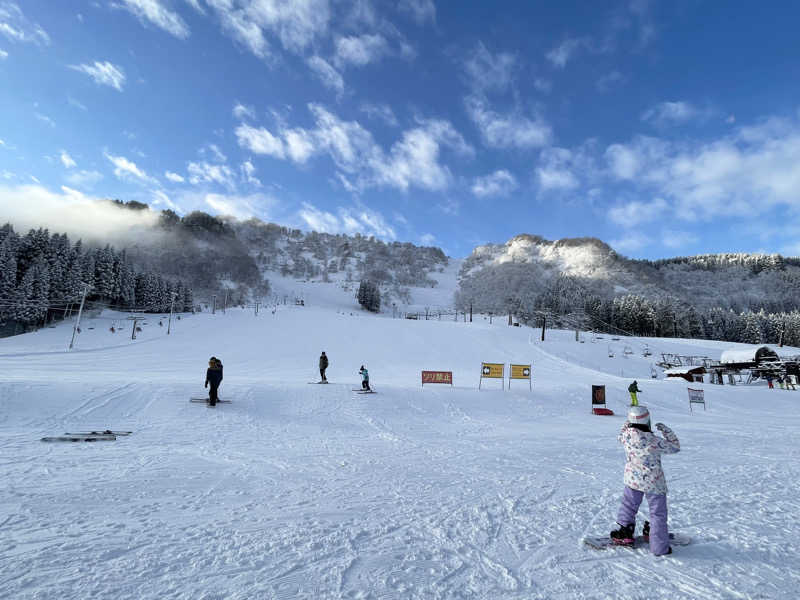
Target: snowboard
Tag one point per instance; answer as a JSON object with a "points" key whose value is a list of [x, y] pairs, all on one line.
{"points": [[93, 433], [361, 391], [602, 542], [80, 438], [318, 382]]}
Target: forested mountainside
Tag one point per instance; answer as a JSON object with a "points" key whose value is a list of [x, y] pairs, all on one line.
{"points": [[742, 297], [44, 276]]}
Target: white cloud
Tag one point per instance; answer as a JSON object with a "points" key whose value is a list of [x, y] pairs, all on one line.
{"points": [[556, 169], [67, 160], [487, 71], [241, 112], [751, 170], [259, 141], [174, 177], [427, 239], [103, 73], [421, 10], [83, 179], [296, 24], [347, 220], [328, 75], [3, 54], [629, 243], [16, 27], [205, 172], [72, 102], [44, 119], [70, 211], [543, 85], [212, 152], [636, 212], [360, 50], [382, 112], [609, 80], [126, 169], [499, 183], [623, 161], [507, 131], [666, 113], [195, 4], [160, 198], [677, 239], [248, 174], [241, 207], [561, 54], [299, 145], [154, 11]]}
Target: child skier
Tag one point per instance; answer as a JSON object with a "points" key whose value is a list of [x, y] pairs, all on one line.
{"points": [[214, 378], [364, 378], [644, 477]]}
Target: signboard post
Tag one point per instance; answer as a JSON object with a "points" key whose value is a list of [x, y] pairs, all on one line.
{"points": [[696, 397], [493, 371], [437, 377], [521, 372], [599, 401]]}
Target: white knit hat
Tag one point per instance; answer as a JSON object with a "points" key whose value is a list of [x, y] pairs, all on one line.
{"points": [[639, 415]]}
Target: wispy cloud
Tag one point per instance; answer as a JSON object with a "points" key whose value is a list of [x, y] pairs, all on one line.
{"points": [[15, 26], [360, 50], [667, 113], [248, 174], [499, 183], [259, 141], [561, 54], [327, 74], [174, 177], [629, 243], [127, 170], [512, 130], [204, 172], [637, 212], [103, 73], [83, 179], [677, 239], [422, 11], [241, 112], [3, 54], [346, 220], [67, 160], [381, 112], [44, 119], [487, 71], [156, 13]]}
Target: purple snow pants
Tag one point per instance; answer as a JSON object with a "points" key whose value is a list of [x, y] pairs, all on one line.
{"points": [[659, 534]]}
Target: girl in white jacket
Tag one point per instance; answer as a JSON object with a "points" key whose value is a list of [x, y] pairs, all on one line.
{"points": [[644, 477]]}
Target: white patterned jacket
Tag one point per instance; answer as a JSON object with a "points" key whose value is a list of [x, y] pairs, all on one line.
{"points": [[643, 450]]}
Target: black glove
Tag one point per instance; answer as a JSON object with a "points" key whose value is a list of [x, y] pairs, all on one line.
{"points": [[206, 385]]}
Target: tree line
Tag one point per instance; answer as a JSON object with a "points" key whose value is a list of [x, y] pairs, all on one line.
{"points": [[43, 275]]}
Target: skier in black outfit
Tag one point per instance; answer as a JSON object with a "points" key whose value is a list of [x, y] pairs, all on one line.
{"points": [[323, 364], [213, 377]]}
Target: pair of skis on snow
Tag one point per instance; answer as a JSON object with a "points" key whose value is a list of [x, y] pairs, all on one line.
{"points": [[106, 435]]}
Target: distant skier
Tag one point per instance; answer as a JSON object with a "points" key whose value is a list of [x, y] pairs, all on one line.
{"points": [[323, 364], [644, 477], [633, 389], [780, 381], [364, 378], [213, 378], [769, 382]]}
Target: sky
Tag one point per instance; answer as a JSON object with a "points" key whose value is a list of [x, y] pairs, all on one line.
{"points": [[662, 128]]}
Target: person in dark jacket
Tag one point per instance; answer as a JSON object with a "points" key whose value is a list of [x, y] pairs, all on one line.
{"points": [[323, 364], [634, 389], [213, 378]]}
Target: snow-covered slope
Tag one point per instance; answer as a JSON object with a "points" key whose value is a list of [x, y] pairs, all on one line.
{"points": [[312, 491]]}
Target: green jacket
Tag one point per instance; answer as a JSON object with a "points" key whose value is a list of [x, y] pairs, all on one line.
{"points": [[634, 387]]}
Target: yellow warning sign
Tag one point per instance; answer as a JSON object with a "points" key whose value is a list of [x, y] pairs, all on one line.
{"points": [[492, 370], [520, 371]]}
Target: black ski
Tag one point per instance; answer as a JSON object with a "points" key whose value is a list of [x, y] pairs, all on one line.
{"points": [[206, 400], [80, 438], [92, 433]]}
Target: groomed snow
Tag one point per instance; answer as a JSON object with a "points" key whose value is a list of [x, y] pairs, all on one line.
{"points": [[311, 491]]}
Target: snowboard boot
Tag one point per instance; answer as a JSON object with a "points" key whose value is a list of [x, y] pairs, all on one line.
{"points": [[646, 531], [624, 535]]}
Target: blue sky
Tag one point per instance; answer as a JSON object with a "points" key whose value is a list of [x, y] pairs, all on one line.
{"points": [[662, 128]]}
